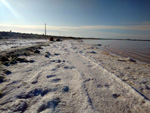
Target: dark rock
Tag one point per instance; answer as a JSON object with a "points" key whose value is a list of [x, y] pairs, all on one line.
{"points": [[99, 86], [56, 54], [26, 53], [1, 95], [13, 61], [131, 60], [66, 67], [37, 51], [116, 95], [7, 72], [50, 76], [34, 82], [93, 52], [53, 70], [31, 61], [53, 61], [51, 39], [58, 61], [55, 102], [106, 85], [56, 80], [4, 58], [6, 63], [40, 47], [35, 92], [99, 44], [47, 54], [2, 79], [65, 88], [58, 39], [22, 60], [44, 92], [69, 67], [14, 55], [80, 51]]}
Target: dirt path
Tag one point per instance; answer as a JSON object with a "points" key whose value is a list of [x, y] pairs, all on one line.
{"points": [[67, 81]]}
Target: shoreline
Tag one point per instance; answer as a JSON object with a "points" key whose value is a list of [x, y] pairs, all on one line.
{"points": [[125, 49], [73, 59], [129, 71], [126, 56]]}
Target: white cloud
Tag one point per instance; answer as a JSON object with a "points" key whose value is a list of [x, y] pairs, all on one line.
{"points": [[80, 31], [66, 28]]}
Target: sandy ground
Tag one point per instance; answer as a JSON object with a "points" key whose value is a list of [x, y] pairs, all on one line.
{"points": [[75, 78]]}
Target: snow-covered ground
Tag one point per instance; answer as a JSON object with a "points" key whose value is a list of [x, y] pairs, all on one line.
{"points": [[13, 43], [71, 79]]}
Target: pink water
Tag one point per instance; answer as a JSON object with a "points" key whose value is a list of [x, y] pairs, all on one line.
{"points": [[138, 50]]}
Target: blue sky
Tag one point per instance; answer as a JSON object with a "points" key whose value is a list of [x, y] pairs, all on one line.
{"points": [[81, 18]]}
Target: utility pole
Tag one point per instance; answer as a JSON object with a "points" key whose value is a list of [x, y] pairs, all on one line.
{"points": [[45, 29]]}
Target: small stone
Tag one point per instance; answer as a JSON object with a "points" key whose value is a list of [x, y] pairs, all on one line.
{"points": [[131, 60], [13, 62], [48, 53], [147, 87], [7, 72], [93, 52], [56, 80], [37, 51], [31, 61], [1, 95], [53, 70], [4, 58], [2, 79], [6, 63], [65, 88], [50, 76], [56, 54], [26, 54], [99, 44], [40, 47], [51, 39], [47, 56], [52, 60], [58, 61], [116, 95], [58, 39]]}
